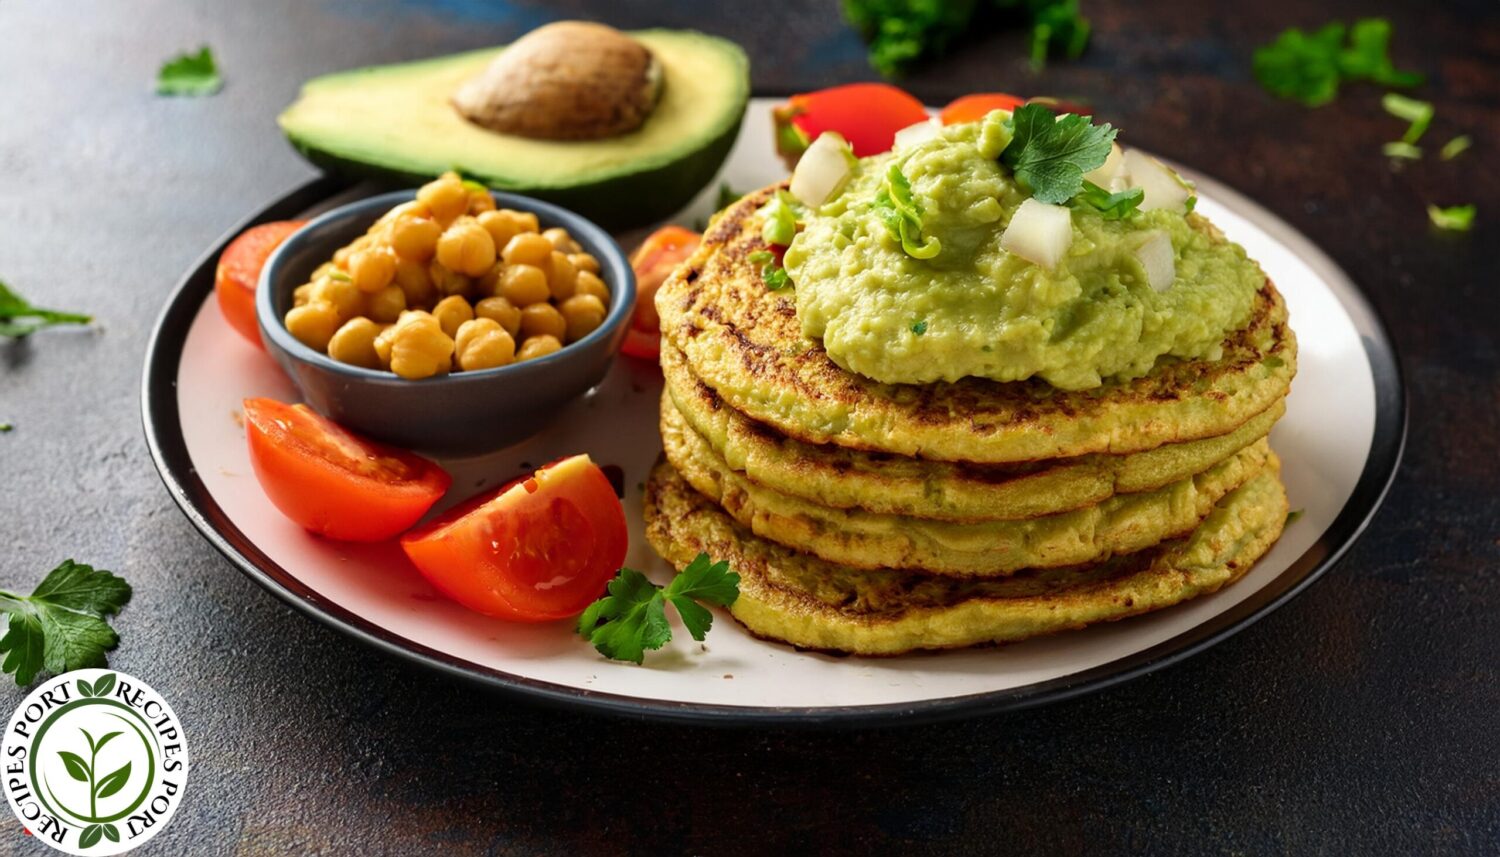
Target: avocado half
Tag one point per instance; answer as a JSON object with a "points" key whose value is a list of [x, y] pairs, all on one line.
{"points": [[397, 122]]}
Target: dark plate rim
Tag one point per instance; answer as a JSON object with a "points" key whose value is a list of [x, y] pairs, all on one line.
{"points": [[168, 448]]}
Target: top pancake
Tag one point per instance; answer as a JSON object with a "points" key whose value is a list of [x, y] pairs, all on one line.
{"points": [[744, 342]]}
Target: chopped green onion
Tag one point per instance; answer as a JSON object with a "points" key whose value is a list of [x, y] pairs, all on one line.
{"points": [[780, 215], [1454, 218], [1455, 147]]}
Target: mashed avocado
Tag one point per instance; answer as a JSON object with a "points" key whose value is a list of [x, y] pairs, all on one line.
{"points": [[975, 309]]}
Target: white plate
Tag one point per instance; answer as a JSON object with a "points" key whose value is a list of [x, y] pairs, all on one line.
{"points": [[1340, 442]]}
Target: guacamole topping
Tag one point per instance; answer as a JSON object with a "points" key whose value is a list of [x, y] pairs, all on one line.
{"points": [[987, 312]]}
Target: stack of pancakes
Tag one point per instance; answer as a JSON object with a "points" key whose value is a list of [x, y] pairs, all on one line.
{"points": [[876, 519]]}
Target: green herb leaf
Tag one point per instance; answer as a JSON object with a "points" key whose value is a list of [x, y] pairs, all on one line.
{"points": [[1401, 149], [781, 214], [901, 213], [1049, 154], [1454, 218], [61, 625], [1455, 147], [903, 32], [919, 326], [1308, 67], [774, 276], [7, 427], [1418, 113], [1111, 206], [632, 619], [19, 318], [190, 74]]}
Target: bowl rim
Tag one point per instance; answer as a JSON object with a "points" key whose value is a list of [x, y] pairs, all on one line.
{"points": [[612, 260]]}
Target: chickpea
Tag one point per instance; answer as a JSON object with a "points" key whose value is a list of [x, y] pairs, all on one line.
{"points": [[502, 311], [466, 247], [415, 238], [372, 268], [451, 312], [583, 313], [590, 284], [502, 225], [584, 262], [523, 285], [446, 197], [561, 240], [480, 201], [313, 323], [528, 248], [354, 343], [419, 348], [526, 220], [302, 294], [415, 283], [386, 305], [341, 256], [538, 346], [483, 344], [446, 282], [562, 276], [488, 283], [405, 209], [339, 292], [542, 319], [383, 343]]}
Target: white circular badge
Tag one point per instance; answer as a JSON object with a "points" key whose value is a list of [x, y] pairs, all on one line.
{"points": [[94, 762]]}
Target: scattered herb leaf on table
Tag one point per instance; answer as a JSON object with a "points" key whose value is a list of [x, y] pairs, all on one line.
{"points": [[190, 74], [61, 625]]}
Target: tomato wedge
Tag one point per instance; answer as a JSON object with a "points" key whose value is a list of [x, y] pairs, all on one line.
{"points": [[972, 108], [540, 548], [654, 261], [239, 271], [334, 482], [867, 114]]}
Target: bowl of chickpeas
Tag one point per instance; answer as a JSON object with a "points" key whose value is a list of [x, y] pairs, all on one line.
{"points": [[451, 318]]}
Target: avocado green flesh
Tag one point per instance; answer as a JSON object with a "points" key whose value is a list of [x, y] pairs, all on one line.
{"points": [[396, 121], [978, 310]]}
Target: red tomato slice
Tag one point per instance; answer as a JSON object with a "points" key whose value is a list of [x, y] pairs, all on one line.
{"points": [[334, 482], [867, 114], [654, 261], [972, 108], [239, 271], [540, 548]]}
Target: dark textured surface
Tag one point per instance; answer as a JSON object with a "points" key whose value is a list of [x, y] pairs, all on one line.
{"points": [[1362, 718]]}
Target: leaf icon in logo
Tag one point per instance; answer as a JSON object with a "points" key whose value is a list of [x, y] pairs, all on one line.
{"points": [[111, 833], [76, 768], [84, 688], [104, 685], [114, 782], [90, 836], [103, 741]]}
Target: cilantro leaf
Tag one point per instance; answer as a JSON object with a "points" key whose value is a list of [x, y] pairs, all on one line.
{"points": [[1454, 218], [19, 318], [1309, 67], [1057, 25], [1049, 154], [61, 625], [901, 213], [903, 32], [190, 74], [1418, 113], [1111, 206], [773, 275], [632, 618]]}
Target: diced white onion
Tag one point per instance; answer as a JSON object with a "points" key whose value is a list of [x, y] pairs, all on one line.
{"points": [[1156, 256], [1039, 233], [1111, 174], [921, 132], [822, 170], [1164, 188]]}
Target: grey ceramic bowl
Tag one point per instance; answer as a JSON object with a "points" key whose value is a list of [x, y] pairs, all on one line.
{"points": [[458, 414]]}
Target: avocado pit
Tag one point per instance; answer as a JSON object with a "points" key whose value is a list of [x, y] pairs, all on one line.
{"points": [[571, 80]]}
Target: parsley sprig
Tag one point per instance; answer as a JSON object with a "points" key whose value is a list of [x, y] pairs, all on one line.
{"points": [[1049, 154], [19, 318], [190, 74], [632, 618], [903, 32], [1309, 67], [61, 625], [901, 213]]}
